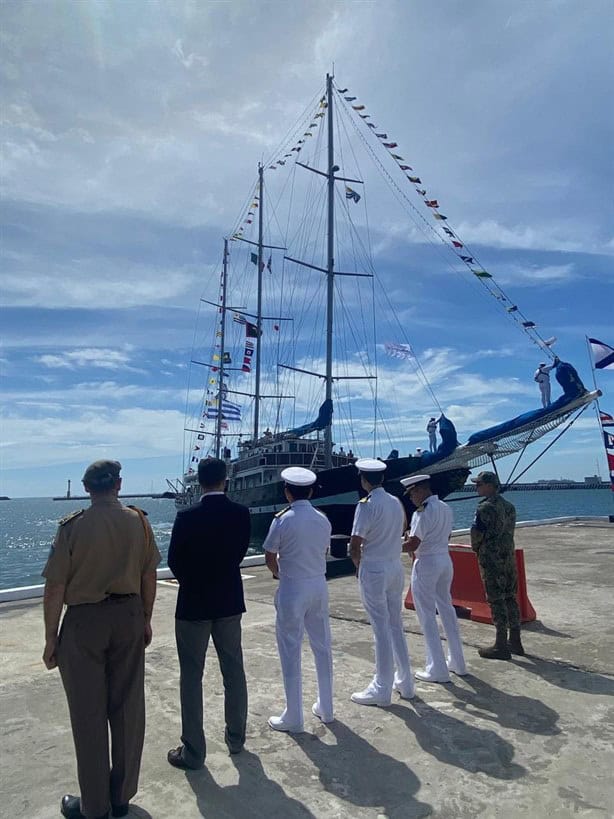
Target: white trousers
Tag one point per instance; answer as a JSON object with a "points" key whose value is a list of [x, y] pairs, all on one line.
{"points": [[431, 578], [381, 589], [544, 388], [302, 605]]}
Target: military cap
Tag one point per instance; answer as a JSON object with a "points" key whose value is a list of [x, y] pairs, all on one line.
{"points": [[298, 476], [370, 465], [414, 479], [486, 477], [101, 472]]}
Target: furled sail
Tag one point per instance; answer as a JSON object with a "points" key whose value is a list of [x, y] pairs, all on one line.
{"points": [[573, 388], [325, 416]]}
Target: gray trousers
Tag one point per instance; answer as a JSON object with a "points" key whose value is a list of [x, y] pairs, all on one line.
{"points": [[192, 642], [101, 657]]}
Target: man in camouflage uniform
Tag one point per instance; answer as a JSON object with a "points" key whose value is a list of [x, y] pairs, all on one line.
{"points": [[492, 539]]}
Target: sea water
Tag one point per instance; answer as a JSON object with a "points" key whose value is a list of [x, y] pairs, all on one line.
{"points": [[28, 525]]}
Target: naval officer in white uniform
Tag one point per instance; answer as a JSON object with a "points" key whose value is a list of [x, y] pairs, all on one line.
{"points": [[375, 547], [542, 377], [295, 550], [431, 578]]}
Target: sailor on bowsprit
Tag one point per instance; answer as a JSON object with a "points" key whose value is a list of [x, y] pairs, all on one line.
{"points": [[542, 377], [431, 428]]}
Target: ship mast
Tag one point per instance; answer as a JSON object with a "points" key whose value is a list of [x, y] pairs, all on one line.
{"points": [[330, 271], [259, 306], [220, 391]]}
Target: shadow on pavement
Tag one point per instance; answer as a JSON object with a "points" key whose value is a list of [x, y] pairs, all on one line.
{"points": [[508, 710], [566, 675], [255, 795], [355, 771], [140, 812], [541, 628], [456, 743]]}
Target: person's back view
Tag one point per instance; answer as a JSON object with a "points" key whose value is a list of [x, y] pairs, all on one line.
{"points": [[208, 543], [295, 550], [375, 548], [103, 567], [431, 429]]}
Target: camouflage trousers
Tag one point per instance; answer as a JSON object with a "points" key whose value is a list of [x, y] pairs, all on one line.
{"points": [[500, 583]]}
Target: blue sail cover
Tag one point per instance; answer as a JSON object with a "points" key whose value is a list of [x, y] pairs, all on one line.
{"points": [[449, 442], [573, 388], [325, 416]]}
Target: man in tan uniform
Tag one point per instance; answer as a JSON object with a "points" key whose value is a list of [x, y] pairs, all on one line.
{"points": [[102, 566]]}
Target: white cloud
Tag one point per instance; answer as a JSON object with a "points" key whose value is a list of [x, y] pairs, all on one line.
{"points": [[519, 237], [533, 275], [99, 284], [88, 395], [106, 359], [189, 60], [91, 434]]}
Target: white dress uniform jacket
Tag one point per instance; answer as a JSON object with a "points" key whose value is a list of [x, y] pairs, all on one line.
{"points": [[300, 537], [431, 579], [379, 520]]}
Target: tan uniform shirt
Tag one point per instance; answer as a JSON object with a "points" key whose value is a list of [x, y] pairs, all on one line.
{"points": [[103, 550]]}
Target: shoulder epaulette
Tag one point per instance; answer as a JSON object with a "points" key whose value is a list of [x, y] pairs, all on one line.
{"points": [[70, 517], [365, 499], [137, 509], [282, 512]]}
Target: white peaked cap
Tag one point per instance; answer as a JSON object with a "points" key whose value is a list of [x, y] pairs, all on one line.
{"points": [[298, 476], [414, 479], [370, 465]]}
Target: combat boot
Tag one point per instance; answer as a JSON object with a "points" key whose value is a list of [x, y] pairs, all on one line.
{"points": [[498, 651], [514, 643]]}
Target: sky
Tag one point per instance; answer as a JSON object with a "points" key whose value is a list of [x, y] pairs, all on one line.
{"points": [[131, 133]]}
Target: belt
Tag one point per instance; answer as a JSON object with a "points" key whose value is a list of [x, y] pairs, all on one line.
{"points": [[109, 598], [117, 597]]}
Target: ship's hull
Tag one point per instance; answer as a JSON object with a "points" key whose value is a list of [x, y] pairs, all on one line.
{"points": [[336, 493]]}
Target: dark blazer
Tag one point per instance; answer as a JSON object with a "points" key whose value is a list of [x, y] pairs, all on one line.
{"points": [[208, 543]]}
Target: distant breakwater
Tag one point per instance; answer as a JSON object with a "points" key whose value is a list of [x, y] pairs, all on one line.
{"points": [[546, 487]]}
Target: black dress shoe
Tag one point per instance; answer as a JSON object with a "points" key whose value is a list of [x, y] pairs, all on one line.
{"points": [[176, 759], [120, 810], [234, 749], [70, 807]]}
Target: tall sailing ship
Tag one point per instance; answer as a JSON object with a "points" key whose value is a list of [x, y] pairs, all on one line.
{"points": [[295, 329]]}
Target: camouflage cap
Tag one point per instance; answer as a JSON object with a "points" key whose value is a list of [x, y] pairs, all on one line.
{"points": [[487, 477], [101, 472]]}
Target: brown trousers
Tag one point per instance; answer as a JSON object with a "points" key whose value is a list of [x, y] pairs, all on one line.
{"points": [[101, 656]]}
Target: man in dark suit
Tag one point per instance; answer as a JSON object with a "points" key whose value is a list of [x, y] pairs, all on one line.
{"points": [[208, 543]]}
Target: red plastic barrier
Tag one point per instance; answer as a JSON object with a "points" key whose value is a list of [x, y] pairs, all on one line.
{"points": [[468, 589]]}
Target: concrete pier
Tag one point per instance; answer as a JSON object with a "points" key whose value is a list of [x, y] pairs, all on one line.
{"points": [[533, 737]]}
